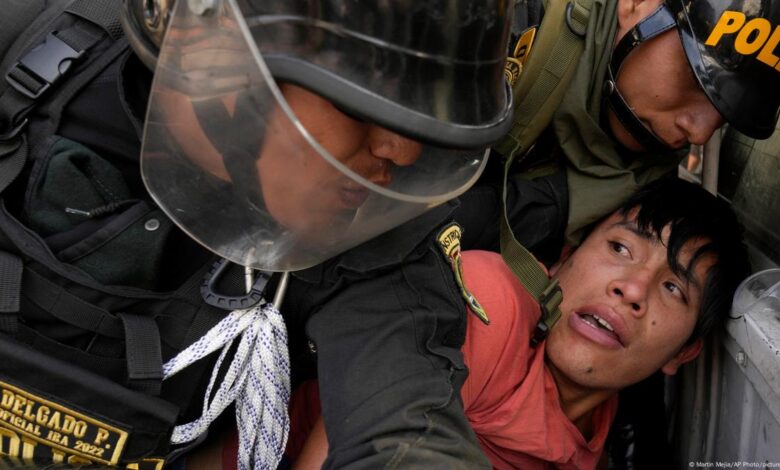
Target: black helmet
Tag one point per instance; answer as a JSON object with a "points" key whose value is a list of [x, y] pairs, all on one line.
{"points": [[432, 70], [731, 46]]}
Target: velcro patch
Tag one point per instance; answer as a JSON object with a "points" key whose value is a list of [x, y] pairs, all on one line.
{"points": [[449, 242]]}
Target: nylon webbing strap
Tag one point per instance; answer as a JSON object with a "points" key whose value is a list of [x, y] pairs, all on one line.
{"points": [[40, 68], [538, 93], [144, 353], [11, 269], [101, 12], [63, 305], [526, 268], [60, 303], [55, 300], [546, 75], [13, 154]]}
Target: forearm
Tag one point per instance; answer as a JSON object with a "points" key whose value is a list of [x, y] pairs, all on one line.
{"points": [[390, 371]]}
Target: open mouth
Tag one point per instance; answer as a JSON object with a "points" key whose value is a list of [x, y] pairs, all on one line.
{"points": [[598, 322], [596, 329]]}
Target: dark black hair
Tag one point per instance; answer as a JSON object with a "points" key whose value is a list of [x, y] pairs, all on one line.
{"points": [[694, 214]]}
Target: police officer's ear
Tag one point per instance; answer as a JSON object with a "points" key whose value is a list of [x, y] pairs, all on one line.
{"points": [[688, 353], [631, 12]]}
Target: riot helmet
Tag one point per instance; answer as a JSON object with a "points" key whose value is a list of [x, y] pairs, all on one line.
{"points": [[732, 49], [282, 132]]}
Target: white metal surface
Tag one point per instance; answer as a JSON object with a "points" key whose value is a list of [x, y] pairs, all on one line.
{"points": [[740, 419]]}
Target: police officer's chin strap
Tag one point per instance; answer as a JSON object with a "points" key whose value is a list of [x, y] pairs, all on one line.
{"points": [[258, 376], [660, 21]]}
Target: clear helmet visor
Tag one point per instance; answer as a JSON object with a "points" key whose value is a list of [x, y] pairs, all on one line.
{"points": [[271, 175]]}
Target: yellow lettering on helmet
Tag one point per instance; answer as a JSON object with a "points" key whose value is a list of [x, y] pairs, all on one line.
{"points": [[767, 52], [747, 46], [756, 35], [729, 23]]}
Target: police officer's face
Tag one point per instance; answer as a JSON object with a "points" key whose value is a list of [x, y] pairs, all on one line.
{"points": [[303, 191], [660, 87]]}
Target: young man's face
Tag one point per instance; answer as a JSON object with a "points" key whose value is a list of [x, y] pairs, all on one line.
{"points": [[660, 87], [625, 314]]}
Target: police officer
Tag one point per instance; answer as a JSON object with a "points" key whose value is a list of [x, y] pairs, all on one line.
{"points": [[280, 134], [654, 76], [284, 136]]}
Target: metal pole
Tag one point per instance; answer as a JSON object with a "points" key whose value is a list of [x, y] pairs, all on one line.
{"points": [[710, 162]]}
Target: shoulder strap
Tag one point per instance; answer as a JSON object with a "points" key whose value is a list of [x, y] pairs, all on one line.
{"points": [[538, 93], [17, 15], [547, 73], [43, 66]]}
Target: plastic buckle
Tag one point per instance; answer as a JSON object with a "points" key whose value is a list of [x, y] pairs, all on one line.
{"points": [[540, 333], [549, 301], [46, 63]]}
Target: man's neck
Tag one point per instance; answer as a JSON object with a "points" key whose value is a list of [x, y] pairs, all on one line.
{"points": [[578, 402]]}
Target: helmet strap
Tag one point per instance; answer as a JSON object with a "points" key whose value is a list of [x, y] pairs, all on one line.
{"points": [[660, 21]]}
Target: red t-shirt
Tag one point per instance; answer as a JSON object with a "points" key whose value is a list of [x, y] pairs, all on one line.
{"points": [[510, 397]]}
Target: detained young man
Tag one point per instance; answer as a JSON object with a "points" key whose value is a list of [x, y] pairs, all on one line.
{"points": [[641, 292]]}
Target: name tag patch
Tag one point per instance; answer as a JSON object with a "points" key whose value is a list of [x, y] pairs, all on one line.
{"points": [[28, 422]]}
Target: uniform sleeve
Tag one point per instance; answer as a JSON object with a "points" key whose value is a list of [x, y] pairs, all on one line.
{"points": [[497, 354], [390, 368], [537, 213]]}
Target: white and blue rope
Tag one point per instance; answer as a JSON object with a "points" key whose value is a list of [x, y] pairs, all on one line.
{"points": [[257, 379]]}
